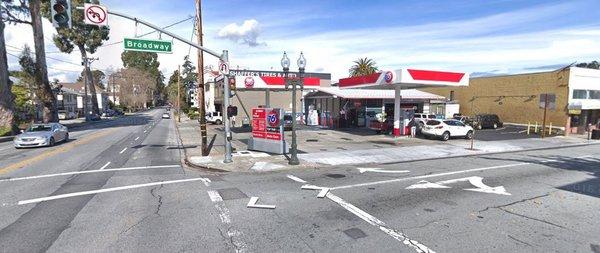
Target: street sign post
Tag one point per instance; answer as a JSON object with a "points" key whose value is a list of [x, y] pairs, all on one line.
{"points": [[95, 14], [146, 45]]}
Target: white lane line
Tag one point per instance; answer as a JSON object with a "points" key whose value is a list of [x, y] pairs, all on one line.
{"points": [[367, 217], [136, 138], [445, 174], [379, 224], [214, 196], [75, 194], [297, 179], [104, 167], [89, 171], [122, 151]]}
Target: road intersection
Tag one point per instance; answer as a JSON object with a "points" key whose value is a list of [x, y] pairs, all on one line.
{"points": [[127, 190]]}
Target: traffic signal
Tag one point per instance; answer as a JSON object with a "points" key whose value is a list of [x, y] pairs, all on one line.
{"points": [[61, 13], [231, 86], [232, 111]]}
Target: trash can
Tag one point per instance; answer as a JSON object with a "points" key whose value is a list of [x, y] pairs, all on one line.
{"points": [[596, 134]]}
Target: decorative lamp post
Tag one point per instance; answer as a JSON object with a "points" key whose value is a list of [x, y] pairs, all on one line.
{"points": [[285, 63]]}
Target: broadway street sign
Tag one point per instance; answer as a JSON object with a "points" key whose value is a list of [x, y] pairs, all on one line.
{"points": [[145, 45]]}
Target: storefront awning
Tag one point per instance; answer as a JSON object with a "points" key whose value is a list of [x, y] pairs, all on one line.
{"points": [[405, 79]]}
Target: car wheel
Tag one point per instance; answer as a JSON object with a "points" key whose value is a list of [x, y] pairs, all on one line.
{"points": [[446, 136], [51, 142], [218, 122], [495, 125], [469, 135]]}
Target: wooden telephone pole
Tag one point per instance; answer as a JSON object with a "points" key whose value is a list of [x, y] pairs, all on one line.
{"points": [[200, 96], [179, 93]]}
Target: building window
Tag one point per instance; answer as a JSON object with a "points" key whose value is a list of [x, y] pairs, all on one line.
{"points": [[580, 94], [594, 94]]}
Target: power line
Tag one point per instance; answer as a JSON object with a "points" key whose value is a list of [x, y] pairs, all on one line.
{"points": [[148, 33], [48, 57]]}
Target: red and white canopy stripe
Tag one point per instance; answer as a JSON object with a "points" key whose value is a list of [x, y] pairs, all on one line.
{"points": [[270, 82], [405, 78]]}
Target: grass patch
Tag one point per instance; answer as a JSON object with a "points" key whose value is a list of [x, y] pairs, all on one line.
{"points": [[5, 131]]}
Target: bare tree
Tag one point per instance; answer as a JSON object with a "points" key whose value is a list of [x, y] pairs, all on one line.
{"points": [[136, 87]]}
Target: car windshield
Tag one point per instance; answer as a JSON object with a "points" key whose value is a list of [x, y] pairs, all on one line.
{"points": [[39, 128], [287, 117], [431, 116], [433, 123]]}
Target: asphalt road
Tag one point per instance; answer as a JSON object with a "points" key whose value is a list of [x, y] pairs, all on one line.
{"points": [[145, 201]]}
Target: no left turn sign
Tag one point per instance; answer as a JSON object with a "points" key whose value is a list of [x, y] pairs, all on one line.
{"points": [[95, 14], [224, 68]]}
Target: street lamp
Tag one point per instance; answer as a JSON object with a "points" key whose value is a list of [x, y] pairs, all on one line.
{"points": [[285, 63]]}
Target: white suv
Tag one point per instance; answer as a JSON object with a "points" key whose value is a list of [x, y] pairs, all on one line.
{"points": [[422, 118], [214, 118], [444, 129]]}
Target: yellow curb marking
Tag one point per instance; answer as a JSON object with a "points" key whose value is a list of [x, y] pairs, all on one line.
{"points": [[60, 149]]}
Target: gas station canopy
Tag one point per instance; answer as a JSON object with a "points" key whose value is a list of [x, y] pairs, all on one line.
{"points": [[405, 79]]}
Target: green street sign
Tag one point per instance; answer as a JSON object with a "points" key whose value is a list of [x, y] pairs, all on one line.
{"points": [[145, 45]]}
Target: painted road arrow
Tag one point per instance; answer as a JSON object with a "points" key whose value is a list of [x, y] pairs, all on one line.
{"points": [[322, 190], [252, 204], [363, 170], [474, 180]]}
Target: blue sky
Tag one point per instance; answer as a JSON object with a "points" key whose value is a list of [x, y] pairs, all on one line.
{"points": [[493, 36]]}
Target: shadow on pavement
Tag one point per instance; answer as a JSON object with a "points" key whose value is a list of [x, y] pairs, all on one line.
{"points": [[132, 120]]}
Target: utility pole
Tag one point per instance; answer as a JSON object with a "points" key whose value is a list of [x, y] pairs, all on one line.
{"points": [[545, 111], [86, 63], [200, 91], [226, 93], [179, 93]]}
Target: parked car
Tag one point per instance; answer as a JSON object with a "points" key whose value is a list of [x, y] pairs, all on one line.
{"points": [[421, 118], [445, 129], [166, 116], [38, 135], [214, 117], [487, 121], [62, 114]]}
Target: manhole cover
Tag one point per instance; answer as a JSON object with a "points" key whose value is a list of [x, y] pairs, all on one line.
{"points": [[335, 175], [323, 149], [341, 148], [312, 140], [231, 193], [245, 152], [378, 146], [355, 233], [346, 139], [321, 133]]}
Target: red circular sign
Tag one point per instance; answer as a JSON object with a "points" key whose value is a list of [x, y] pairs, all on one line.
{"points": [[388, 77], [249, 82], [273, 118], [95, 14]]}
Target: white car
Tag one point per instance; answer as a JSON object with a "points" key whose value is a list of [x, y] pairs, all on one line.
{"points": [[214, 118], [42, 135], [445, 129], [166, 116]]}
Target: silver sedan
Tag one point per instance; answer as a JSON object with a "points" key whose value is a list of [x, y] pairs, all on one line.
{"points": [[42, 135]]}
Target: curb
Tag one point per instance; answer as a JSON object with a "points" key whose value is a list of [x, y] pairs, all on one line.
{"points": [[6, 138], [190, 164]]}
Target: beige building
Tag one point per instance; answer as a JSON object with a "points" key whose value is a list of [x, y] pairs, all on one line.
{"points": [[573, 97], [256, 95]]}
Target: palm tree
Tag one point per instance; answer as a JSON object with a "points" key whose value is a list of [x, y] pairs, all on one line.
{"points": [[363, 66]]}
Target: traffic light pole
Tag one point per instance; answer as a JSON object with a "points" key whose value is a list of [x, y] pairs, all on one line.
{"points": [[226, 92], [223, 57]]}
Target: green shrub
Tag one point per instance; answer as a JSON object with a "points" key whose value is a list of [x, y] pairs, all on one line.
{"points": [[5, 131]]}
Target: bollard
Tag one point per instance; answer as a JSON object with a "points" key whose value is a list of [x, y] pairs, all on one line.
{"points": [[536, 127], [528, 126], [550, 129]]}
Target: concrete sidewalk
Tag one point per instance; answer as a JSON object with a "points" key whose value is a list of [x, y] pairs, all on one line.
{"points": [[443, 150]]}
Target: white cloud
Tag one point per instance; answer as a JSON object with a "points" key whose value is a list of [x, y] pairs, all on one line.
{"points": [[247, 33]]}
